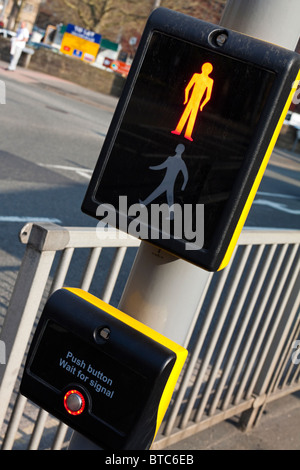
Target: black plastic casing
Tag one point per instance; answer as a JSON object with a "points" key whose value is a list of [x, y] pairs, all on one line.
{"points": [[281, 63], [131, 367]]}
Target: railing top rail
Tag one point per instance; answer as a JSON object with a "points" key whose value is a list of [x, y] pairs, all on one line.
{"points": [[52, 237], [268, 236], [46, 237], [89, 237]]}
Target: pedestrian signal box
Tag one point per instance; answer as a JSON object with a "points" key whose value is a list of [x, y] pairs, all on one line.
{"points": [[191, 137], [100, 371]]}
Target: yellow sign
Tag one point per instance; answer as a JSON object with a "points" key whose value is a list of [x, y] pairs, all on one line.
{"points": [[80, 43]]}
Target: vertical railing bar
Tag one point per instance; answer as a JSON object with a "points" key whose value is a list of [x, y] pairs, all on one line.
{"points": [[194, 357], [286, 356], [58, 282], [252, 271], [264, 385], [271, 335], [62, 269], [215, 368], [283, 365], [294, 376], [290, 319], [62, 430], [113, 273], [90, 268], [17, 331], [190, 367], [38, 430], [204, 365], [259, 315], [244, 325], [14, 422]]}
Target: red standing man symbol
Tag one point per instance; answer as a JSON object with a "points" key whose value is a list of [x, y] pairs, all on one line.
{"points": [[202, 85]]}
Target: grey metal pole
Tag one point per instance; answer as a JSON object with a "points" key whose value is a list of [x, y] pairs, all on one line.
{"points": [[274, 21], [163, 291]]}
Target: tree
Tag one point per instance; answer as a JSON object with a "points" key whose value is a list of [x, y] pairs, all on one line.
{"points": [[106, 17], [14, 13], [89, 13], [119, 21]]}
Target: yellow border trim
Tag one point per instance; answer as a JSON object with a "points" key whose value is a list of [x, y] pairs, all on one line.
{"points": [[258, 178], [180, 351]]}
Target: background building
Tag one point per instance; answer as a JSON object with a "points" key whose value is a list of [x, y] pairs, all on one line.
{"points": [[15, 11]]}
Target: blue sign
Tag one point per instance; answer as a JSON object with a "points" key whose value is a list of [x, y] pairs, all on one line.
{"points": [[83, 33]]}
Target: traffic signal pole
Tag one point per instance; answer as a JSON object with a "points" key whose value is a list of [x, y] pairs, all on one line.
{"points": [[274, 21], [165, 292]]}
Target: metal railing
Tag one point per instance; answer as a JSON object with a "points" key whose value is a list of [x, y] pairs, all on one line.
{"points": [[240, 351]]}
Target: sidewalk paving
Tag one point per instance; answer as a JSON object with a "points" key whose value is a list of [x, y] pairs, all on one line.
{"points": [[59, 86], [279, 427]]}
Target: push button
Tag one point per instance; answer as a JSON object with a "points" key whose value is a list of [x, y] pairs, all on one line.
{"points": [[74, 402]]}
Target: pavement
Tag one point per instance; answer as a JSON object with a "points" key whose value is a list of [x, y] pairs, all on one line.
{"points": [[58, 85], [279, 427]]}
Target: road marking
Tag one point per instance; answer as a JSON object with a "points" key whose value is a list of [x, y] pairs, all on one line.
{"points": [[280, 196], [277, 206], [278, 176], [85, 172], [15, 218]]}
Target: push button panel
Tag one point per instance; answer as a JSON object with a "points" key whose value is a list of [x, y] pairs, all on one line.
{"points": [[100, 371], [112, 389]]}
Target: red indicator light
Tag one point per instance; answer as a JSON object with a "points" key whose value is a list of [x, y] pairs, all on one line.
{"points": [[74, 402], [202, 85]]}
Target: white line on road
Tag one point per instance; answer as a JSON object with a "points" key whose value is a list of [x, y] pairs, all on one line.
{"points": [[276, 205], [85, 172], [15, 218], [280, 196]]}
